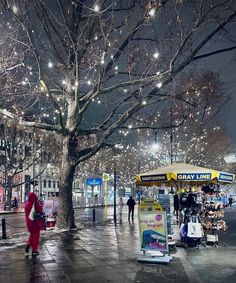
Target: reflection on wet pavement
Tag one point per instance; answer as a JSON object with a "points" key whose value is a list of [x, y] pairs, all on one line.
{"points": [[107, 253]]}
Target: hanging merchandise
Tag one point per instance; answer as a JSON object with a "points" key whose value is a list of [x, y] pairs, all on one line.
{"points": [[191, 230], [211, 215], [194, 228]]}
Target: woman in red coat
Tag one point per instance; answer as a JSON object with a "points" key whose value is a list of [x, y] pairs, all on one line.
{"points": [[32, 225]]}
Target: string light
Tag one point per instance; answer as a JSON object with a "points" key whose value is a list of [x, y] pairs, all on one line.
{"points": [[14, 9], [50, 65], [96, 8], [156, 55], [152, 12]]}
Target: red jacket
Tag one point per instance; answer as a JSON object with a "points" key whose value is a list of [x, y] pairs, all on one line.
{"points": [[32, 225]]}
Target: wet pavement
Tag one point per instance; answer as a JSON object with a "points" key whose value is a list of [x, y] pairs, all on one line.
{"points": [[108, 253]]}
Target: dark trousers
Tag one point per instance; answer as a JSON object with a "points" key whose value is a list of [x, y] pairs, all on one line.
{"points": [[131, 211], [176, 212]]}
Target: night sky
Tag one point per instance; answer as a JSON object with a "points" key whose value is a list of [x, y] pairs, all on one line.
{"points": [[225, 64]]}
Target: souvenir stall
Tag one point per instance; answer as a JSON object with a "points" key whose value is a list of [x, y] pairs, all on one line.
{"points": [[195, 212], [212, 215]]}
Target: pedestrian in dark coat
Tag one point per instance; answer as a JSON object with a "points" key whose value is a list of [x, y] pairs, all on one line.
{"points": [[176, 205], [15, 203], [131, 203], [33, 226]]}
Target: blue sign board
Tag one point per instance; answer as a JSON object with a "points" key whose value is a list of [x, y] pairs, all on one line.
{"points": [[154, 178], [194, 177], [94, 181], [226, 177]]}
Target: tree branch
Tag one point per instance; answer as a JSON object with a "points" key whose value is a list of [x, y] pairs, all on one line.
{"points": [[214, 53]]}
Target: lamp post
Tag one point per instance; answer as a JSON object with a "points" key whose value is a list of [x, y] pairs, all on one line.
{"points": [[115, 194], [139, 187], [171, 133]]}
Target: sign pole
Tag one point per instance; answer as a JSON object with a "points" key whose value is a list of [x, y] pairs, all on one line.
{"points": [[105, 198], [105, 178], [115, 194]]}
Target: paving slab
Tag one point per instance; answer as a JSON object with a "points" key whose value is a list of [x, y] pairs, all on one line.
{"points": [[108, 253]]}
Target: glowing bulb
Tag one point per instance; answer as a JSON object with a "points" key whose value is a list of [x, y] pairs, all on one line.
{"points": [[144, 102], [14, 9], [156, 55], [89, 82], [159, 85], [96, 8], [50, 65], [152, 12]]}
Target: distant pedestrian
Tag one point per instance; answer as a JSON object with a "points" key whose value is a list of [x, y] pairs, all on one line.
{"points": [[230, 200], [34, 226], [176, 205], [96, 200], [131, 203], [15, 203], [121, 205]]}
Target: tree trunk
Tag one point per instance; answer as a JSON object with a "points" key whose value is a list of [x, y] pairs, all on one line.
{"points": [[9, 191], [65, 219]]}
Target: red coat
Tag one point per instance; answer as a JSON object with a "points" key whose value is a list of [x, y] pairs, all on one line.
{"points": [[32, 225]]}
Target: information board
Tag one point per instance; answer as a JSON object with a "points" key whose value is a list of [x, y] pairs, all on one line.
{"points": [[152, 226]]}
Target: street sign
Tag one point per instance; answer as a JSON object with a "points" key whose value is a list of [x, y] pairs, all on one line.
{"points": [[105, 177], [93, 181]]}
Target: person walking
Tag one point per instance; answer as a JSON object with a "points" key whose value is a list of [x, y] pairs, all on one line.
{"points": [[33, 226], [15, 203], [230, 201], [121, 205], [96, 200], [131, 203], [176, 205]]}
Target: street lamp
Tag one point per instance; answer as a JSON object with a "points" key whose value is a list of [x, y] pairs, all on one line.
{"points": [[156, 146]]}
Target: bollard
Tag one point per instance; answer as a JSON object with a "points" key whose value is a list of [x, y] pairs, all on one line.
{"points": [[4, 235], [93, 214]]}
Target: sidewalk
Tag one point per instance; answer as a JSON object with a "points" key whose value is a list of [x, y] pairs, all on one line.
{"points": [[107, 253]]}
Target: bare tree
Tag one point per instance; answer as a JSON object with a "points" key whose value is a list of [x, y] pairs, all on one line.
{"points": [[22, 150], [89, 66]]}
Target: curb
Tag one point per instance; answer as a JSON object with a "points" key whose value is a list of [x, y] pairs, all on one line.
{"points": [[7, 212]]}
